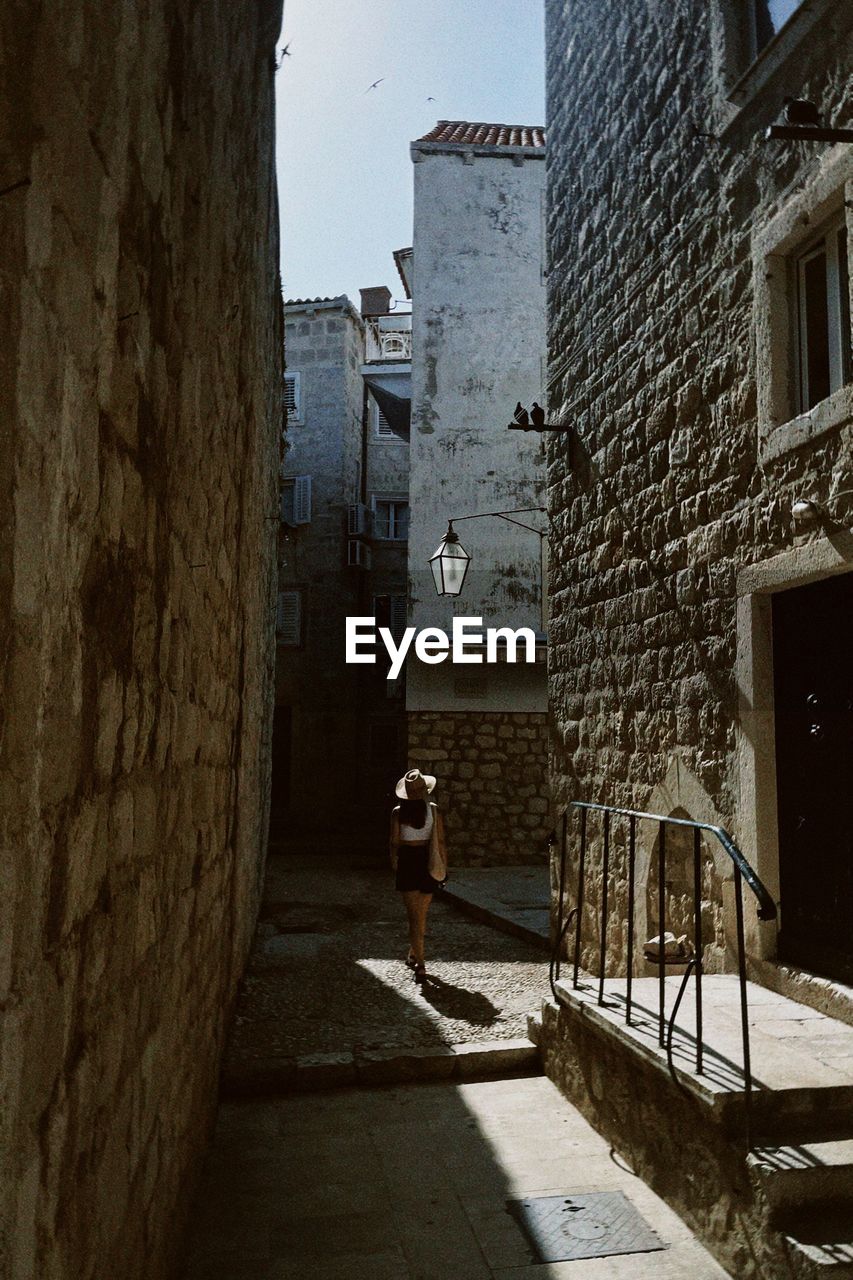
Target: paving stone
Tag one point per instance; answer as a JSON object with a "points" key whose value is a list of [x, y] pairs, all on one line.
{"points": [[412, 1182], [315, 1018]]}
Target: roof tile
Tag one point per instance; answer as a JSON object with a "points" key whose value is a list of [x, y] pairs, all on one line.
{"points": [[464, 133]]}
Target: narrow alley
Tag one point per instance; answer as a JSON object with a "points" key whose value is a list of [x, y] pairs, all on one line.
{"points": [[371, 1129], [426, 445]]}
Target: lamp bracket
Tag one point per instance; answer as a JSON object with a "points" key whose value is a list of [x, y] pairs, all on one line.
{"points": [[807, 133]]}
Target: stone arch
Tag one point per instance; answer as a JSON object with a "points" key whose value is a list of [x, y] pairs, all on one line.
{"points": [[681, 795]]}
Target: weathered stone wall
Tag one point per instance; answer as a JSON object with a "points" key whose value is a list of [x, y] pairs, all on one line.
{"points": [[660, 189], [140, 402], [492, 771], [690, 1153]]}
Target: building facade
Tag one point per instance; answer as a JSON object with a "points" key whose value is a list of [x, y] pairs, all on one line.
{"points": [[701, 586], [478, 349], [342, 553]]}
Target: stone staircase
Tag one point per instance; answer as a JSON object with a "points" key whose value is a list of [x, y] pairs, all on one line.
{"points": [[808, 1189], [784, 1208]]}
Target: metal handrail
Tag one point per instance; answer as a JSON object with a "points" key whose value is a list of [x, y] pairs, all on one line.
{"points": [[743, 872]]}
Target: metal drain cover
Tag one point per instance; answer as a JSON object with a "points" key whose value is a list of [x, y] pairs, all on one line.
{"points": [[595, 1225]]}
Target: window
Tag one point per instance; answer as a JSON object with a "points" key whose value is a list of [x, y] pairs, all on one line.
{"points": [[801, 297], [383, 426], [288, 621], [296, 500], [391, 519], [390, 612], [823, 316], [292, 397], [767, 17], [394, 345]]}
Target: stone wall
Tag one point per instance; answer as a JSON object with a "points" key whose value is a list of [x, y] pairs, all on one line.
{"points": [[662, 196], [140, 397], [492, 771], [690, 1153]]}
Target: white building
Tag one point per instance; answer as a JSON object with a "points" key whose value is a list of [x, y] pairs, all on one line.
{"points": [[478, 348]]}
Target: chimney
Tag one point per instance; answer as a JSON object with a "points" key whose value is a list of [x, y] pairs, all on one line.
{"points": [[375, 301]]}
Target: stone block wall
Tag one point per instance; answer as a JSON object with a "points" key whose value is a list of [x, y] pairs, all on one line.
{"points": [[492, 771], [660, 183], [140, 402]]}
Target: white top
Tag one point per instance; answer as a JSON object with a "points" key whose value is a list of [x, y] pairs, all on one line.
{"points": [[412, 834]]}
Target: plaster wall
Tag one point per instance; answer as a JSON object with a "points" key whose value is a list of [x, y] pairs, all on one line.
{"points": [[324, 344], [478, 347], [386, 476], [140, 396]]}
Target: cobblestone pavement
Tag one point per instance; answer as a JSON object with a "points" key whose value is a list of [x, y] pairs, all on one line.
{"points": [[412, 1183], [327, 974]]}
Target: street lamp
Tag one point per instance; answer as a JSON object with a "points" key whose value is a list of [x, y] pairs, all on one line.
{"points": [[449, 564]]}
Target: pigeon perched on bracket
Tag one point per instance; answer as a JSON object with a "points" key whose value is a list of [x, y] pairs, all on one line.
{"points": [[537, 416], [521, 417]]}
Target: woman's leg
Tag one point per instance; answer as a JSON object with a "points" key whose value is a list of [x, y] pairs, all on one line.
{"points": [[424, 899], [411, 903]]}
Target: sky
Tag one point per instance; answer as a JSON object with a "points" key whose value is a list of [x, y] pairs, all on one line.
{"points": [[344, 170]]}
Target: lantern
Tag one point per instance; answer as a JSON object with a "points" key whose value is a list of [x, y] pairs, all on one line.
{"points": [[449, 564]]}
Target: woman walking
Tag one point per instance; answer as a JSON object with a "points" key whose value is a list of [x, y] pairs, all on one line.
{"points": [[418, 856]]}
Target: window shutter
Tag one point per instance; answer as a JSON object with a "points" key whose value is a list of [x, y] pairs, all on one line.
{"points": [[398, 617], [301, 499], [287, 502], [291, 395], [381, 518], [383, 426], [288, 621], [402, 530]]}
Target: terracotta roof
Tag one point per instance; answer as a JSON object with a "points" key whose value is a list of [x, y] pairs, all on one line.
{"points": [[314, 302], [465, 134]]}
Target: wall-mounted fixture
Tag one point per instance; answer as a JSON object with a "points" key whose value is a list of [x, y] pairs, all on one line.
{"points": [[450, 562], [807, 511], [801, 122], [804, 511]]}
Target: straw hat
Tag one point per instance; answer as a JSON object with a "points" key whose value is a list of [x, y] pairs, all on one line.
{"points": [[415, 785]]}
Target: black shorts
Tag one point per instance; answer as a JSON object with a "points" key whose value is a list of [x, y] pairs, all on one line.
{"points": [[412, 874]]}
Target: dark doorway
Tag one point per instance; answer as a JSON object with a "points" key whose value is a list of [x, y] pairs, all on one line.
{"points": [[281, 739], [813, 700]]}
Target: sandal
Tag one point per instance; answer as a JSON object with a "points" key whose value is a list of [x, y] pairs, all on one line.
{"points": [[420, 974], [410, 960]]}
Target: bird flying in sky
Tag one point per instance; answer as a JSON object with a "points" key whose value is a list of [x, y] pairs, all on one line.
{"points": [[374, 85], [430, 99]]}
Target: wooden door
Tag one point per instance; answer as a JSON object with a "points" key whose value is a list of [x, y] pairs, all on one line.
{"points": [[813, 699]]}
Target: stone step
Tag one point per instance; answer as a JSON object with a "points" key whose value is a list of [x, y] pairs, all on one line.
{"points": [[513, 900], [802, 1060], [479, 1060], [819, 1241], [809, 1173]]}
